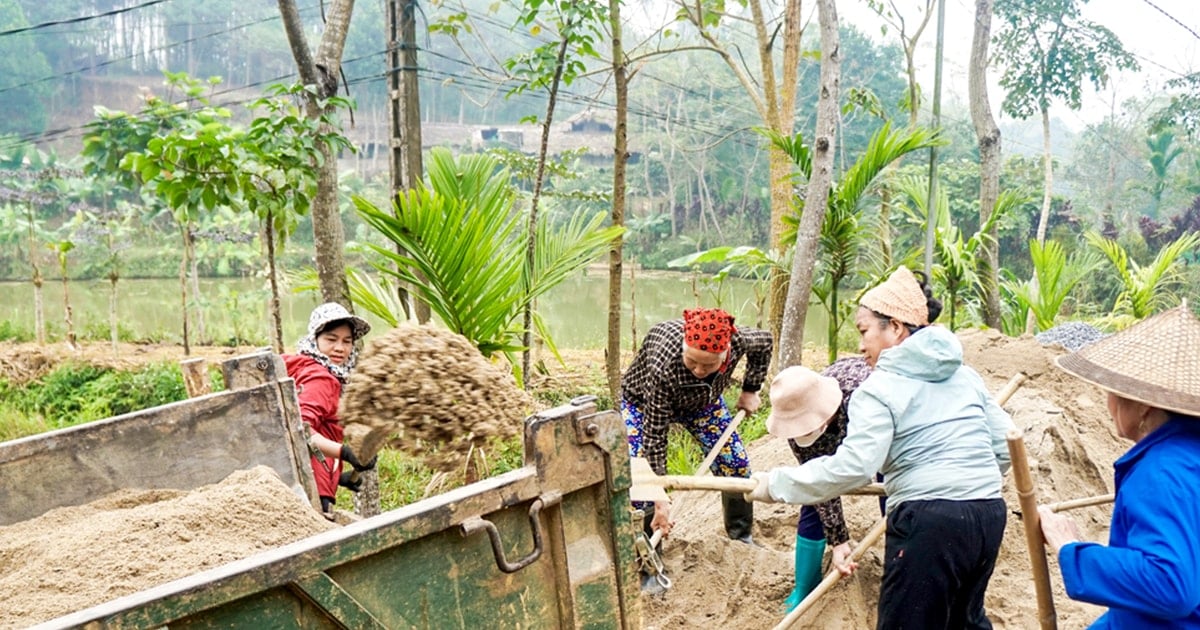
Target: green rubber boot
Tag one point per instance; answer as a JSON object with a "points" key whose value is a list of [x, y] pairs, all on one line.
{"points": [[809, 554]]}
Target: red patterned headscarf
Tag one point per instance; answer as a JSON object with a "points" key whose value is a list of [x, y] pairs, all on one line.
{"points": [[708, 329]]}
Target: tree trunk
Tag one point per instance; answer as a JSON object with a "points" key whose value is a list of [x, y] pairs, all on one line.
{"points": [[988, 135], [612, 358], [791, 339], [531, 243], [321, 71], [276, 314], [183, 301], [67, 315], [1048, 172], [114, 330]]}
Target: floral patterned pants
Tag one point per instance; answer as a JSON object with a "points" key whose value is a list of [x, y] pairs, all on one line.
{"points": [[707, 427]]}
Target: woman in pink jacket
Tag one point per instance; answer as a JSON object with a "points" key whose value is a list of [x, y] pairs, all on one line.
{"points": [[321, 366]]}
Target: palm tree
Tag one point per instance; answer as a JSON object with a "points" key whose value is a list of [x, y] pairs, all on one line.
{"points": [[1144, 290], [464, 247], [956, 260], [844, 233], [1056, 276]]}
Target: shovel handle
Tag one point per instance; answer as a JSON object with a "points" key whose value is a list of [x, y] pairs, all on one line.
{"points": [[833, 576], [702, 469], [725, 484]]}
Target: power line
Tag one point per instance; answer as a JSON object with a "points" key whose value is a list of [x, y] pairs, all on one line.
{"points": [[85, 18], [1173, 19], [163, 48]]}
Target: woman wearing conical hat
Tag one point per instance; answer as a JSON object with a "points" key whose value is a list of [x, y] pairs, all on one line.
{"points": [[1149, 573], [927, 422]]}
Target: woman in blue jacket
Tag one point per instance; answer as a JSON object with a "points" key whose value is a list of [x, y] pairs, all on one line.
{"points": [[1149, 573]]}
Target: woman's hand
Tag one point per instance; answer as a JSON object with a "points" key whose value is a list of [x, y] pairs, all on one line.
{"points": [[750, 402], [662, 518], [1057, 529], [841, 559]]}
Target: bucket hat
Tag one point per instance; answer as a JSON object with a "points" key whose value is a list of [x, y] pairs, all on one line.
{"points": [[1153, 362], [802, 402], [332, 312], [900, 297]]}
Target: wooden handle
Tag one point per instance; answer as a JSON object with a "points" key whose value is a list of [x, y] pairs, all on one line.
{"points": [[833, 576], [702, 469], [725, 484], [1063, 506], [1033, 530]]}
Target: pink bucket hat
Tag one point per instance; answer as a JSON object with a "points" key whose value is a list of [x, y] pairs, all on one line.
{"points": [[802, 402], [899, 297]]}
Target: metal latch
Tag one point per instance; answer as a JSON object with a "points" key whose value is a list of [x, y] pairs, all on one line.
{"points": [[476, 524]]}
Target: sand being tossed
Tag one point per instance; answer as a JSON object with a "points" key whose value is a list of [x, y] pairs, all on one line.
{"points": [[72, 558], [1071, 446]]}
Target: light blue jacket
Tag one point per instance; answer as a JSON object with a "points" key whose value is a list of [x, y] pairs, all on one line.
{"points": [[924, 420]]}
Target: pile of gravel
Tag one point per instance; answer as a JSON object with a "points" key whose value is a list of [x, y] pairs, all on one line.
{"points": [[430, 393], [1071, 335]]}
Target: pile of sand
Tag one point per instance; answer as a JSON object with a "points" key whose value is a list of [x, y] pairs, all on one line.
{"points": [[1071, 446], [430, 393], [72, 558]]}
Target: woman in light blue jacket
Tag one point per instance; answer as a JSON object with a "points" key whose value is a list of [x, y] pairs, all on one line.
{"points": [[928, 423]]}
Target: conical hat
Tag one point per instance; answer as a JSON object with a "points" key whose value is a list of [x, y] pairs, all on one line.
{"points": [[1156, 362]]}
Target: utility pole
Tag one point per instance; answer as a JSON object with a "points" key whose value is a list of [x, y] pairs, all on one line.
{"points": [[404, 111]]}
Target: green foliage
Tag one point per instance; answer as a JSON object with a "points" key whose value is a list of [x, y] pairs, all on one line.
{"points": [[1149, 289], [1055, 278], [76, 393], [24, 68], [579, 25], [845, 234], [13, 331], [1048, 50], [464, 249]]}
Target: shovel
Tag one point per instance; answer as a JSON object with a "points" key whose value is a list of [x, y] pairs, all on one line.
{"points": [[648, 486]]}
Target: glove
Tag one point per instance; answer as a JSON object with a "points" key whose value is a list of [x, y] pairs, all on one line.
{"points": [[349, 457], [348, 482], [761, 491]]}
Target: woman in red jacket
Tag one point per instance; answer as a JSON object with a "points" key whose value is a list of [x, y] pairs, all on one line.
{"points": [[320, 367]]}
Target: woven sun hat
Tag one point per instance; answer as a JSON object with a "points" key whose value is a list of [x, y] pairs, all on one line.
{"points": [[1153, 362], [802, 402], [332, 312], [899, 297]]}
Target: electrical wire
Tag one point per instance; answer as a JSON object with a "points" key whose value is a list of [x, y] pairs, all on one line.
{"points": [[77, 20]]}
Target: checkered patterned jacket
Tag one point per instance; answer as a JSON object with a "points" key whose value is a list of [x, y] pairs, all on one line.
{"points": [[659, 384]]}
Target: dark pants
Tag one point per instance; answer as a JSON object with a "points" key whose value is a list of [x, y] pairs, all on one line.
{"points": [[939, 557]]}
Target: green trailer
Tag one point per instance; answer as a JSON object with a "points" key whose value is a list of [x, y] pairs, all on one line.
{"points": [[550, 545]]}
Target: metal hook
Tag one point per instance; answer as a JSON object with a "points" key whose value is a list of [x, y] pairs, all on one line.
{"points": [[477, 523]]}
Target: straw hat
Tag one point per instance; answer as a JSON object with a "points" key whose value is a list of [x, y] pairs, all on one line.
{"points": [[899, 297], [802, 401], [1153, 362]]}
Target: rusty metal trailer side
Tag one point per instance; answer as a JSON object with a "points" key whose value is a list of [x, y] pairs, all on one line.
{"points": [[549, 545]]}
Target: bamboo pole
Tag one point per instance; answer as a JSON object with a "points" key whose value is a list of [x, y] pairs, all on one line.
{"points": [[1063, 506], [833, 576], [1027, 495]]}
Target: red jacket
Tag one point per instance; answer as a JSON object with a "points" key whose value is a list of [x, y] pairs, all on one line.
{"points": [[318, 391]]}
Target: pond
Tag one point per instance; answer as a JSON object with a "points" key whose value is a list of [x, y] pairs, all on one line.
{"points": [[576, 311]]}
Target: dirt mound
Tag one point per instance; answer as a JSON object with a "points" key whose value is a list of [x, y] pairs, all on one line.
{"points": [[1071, 448], [72, 558], [431, 393]]}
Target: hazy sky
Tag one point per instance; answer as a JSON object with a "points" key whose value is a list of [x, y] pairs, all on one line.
{"points": [[1164, 48]]}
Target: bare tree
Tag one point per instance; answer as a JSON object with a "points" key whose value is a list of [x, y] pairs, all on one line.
{"points": [[988, 135], [816, 202]]}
